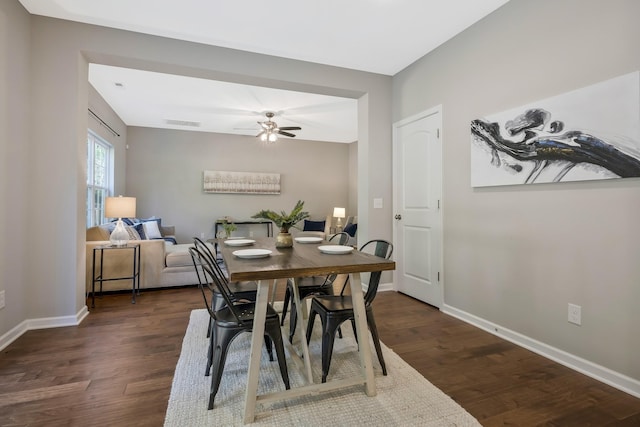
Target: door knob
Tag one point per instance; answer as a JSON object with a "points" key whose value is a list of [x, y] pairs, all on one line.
{"points": [[398, 216]]}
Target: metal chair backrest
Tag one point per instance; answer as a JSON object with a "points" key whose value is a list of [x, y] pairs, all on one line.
{"points": [[340, 238], [203, 281], [203, 248], [380, 248], [214, 277], [206, 250]]}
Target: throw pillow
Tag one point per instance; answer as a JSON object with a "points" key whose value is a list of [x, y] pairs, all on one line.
{"points": [[133, 234], [351, 229], [109, 226], [153, 218], [140, 229], [313, 225], [151, 230]]}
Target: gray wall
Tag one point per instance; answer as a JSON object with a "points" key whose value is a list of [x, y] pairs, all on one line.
{"points": [[119, 142], [516, 256], [165, 170], [46, 61], [513, 255], [14, 160]]}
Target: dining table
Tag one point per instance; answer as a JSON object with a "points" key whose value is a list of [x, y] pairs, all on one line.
{"points": [[261, 261]]}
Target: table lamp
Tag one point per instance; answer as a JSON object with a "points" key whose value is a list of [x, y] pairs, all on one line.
{"points": [[338, 213], [120, 207]]}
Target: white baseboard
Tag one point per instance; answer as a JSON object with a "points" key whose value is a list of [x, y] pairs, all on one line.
{"points": [[384, 287], [600, 373], [42, 323]]}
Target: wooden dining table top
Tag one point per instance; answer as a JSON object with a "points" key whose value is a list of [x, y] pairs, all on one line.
{"points": [[303, 259]]}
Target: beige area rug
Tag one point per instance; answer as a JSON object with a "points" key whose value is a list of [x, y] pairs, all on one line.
{"points": [[404, 397]]}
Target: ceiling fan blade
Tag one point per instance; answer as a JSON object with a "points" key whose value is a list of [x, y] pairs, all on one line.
{"points": [[264, 125], [260, 134], [281, 132], [290, 128]]}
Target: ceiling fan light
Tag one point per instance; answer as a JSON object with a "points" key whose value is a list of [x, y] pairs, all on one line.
{"points": [[273, 137], [263, 137]]}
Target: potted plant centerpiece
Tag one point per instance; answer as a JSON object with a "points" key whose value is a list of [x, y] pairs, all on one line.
{"points": [[228, 227], [284, 221]]}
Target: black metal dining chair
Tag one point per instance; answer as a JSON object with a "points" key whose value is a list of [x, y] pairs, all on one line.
{"points": [[230, 321], [307, 286], [239, 290], [336, 309]]}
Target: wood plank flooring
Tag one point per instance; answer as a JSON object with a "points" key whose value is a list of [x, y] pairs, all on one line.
{"points": [[116, 368]]}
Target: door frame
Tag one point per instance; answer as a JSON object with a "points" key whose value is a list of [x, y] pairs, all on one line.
{"points": [[425, 113]]}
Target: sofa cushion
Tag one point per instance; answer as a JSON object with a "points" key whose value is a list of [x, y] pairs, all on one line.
{"points": [[178, 255], [133, 234], [151, 230], [351, 229], [313, 225], [152, 218], [140, 229]]}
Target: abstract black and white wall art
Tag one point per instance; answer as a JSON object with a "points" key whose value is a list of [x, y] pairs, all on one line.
{"points": [[241, 182], [589, 133]]}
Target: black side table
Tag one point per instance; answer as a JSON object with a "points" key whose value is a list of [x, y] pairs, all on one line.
{"points": [[264, 222], [99, 277]]}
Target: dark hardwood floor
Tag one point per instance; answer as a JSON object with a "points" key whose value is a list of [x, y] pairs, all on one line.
{"points": [[116, 368]]}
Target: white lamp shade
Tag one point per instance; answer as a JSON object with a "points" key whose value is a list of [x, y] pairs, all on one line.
{"points": [[120, 207], [338, 212]]}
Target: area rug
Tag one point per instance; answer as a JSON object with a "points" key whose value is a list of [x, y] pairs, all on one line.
{"points": [[404, 397]]}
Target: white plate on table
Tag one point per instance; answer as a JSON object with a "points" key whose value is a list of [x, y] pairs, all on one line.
{"points": [[335, 249], [239, 242], [308, 239], [252, 253]]}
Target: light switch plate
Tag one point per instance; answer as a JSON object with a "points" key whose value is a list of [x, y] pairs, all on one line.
{"points": [[377, 203], [575, 314]]}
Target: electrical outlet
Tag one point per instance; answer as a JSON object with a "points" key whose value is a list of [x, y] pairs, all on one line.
{"points": [[575, 314], [202, 235], [1, 299], [250, 233]]}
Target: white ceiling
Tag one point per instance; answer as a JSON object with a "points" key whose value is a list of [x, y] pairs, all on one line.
{"points": [[157, 100], [379, 36]]}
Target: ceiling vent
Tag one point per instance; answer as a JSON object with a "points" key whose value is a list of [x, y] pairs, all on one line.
{"points": [[183, 123]]}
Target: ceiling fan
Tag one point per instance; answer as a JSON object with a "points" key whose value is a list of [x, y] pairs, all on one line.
{"points": [[270, 129]]}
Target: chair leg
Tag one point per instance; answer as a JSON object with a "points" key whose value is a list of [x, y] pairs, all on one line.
{"points": [[376, 340], [285, 305], [328, 337], [269, 344], [210, 352], [219, 357], [223, 339], [293, 320], [353, 326], [312, 318], [276, 336]]}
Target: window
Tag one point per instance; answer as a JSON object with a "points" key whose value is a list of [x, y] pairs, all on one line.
{"points": [[99, 172]]}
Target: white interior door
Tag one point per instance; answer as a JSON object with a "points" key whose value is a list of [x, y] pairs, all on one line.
{"points": [[417, 175]]}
